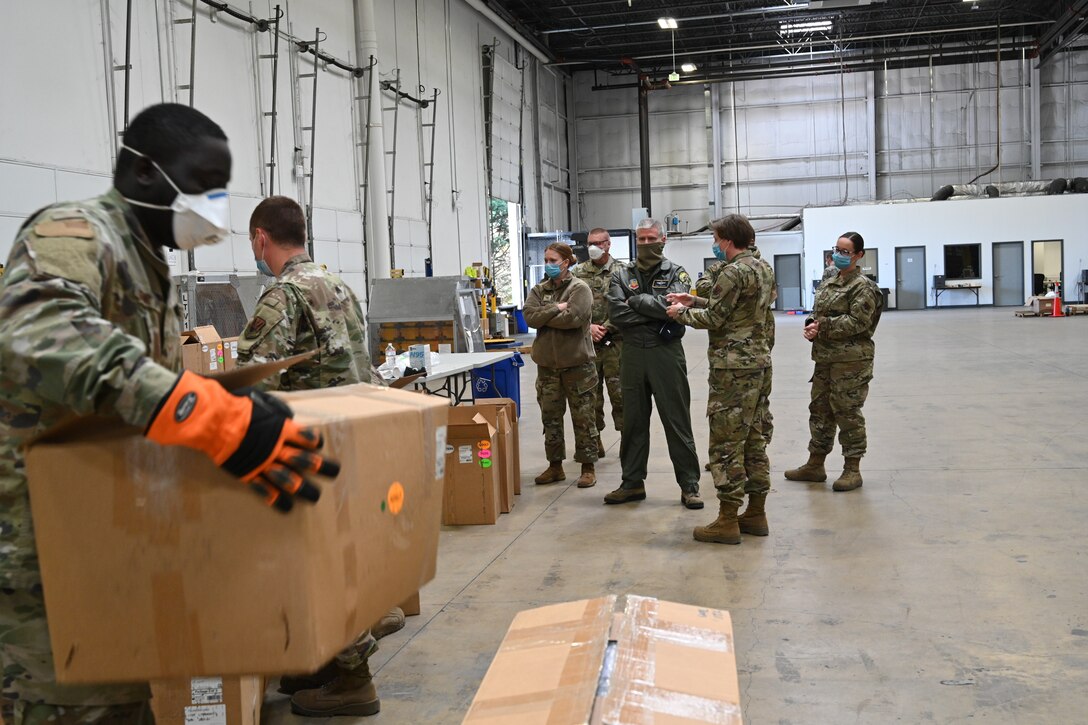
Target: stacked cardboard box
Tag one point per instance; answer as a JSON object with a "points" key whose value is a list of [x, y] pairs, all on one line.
{"points": [[656, 662], [483, 465], [202, 351]]}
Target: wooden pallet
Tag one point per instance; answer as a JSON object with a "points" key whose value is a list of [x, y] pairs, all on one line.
{"points": [[1027, 313], [1076, 309]]}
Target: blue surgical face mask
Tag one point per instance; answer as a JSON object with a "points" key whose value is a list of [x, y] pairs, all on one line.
{"points": [[718, 252], [841, 261], [263, 268], [553, 270]]}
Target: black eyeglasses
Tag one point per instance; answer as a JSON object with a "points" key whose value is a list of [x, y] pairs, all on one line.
{"points": [[847, 252]]}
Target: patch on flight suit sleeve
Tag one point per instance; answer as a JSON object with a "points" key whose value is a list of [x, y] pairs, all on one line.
{"points": [[685, 278]]}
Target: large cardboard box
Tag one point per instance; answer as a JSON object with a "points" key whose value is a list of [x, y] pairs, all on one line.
{"points": [[472, 493], [656, 662], [209, 700], [504, 454], [202, 350], [513, 443], [160, 566]]}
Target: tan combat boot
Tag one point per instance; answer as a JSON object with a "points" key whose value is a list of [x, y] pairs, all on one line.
{"points": [[851, 476], [393, 621], [588, 479], [553, 474], [351, 693], [754, 519], [813, 470], [722, 530]]}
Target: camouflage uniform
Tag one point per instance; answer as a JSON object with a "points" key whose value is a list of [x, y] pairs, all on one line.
{"points": [[848, 310], [566, 373], [608, 350], [309, 308], [702, 290], [89, 323], [739, 353]]}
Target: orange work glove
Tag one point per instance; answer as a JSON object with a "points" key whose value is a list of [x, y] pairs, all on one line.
{"points": [[249, 434]]}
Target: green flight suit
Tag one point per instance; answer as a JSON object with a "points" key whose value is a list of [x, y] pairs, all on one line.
{"points": [[653, 369]]}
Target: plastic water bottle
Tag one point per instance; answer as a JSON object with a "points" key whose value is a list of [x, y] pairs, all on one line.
{"points": [[390, 355]]}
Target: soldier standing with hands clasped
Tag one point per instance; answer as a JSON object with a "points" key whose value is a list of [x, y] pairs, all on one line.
{"points": [[607, 342], [844, 318], [653, 368], [739, 355]]}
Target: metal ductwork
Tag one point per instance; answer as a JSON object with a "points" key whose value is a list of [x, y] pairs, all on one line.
{"points": [[1011, 188]]}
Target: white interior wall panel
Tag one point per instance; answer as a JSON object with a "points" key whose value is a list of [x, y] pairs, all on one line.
{"points": [[930, 127], [64, 148], [505, 129], [932, 225]]}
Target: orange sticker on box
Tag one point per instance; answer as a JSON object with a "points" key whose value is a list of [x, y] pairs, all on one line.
{"points": [[395, 497]]}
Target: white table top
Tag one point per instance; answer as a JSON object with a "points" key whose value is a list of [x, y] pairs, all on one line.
{"points": [[460, 362]]}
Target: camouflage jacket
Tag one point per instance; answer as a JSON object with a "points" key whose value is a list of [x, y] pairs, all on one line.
{"points": [[848, 310], [562, 337], [599, 279], [636, 301], [308, 308], [736, 314], [703, 287], [89, 324]]}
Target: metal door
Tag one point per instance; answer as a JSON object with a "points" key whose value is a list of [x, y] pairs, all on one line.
{"points": [[787, 275], [1008, 273], [910, 278]]}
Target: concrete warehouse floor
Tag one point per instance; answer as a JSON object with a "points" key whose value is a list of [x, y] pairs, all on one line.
{"points": [[951, 587]]}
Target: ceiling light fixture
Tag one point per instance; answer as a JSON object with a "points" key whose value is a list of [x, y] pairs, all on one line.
{"points": [[688, 68], [667, 23], [809, 27], [674, 76]]}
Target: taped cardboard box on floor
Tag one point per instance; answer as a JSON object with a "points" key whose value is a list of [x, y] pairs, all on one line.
{"points": [[512, 441], [656, 662], [472, 493], [161, 566], [502, 456], [208, 700], [202, 350]]}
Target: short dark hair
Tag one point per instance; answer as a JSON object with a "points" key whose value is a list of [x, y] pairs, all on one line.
{"points": [[282, 218], [735, 228], [166, 130], [596, 230], [563, 250], [859, 243]]}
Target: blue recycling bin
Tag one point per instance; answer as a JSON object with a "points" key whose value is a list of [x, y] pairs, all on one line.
{"points": [[499, 380]]}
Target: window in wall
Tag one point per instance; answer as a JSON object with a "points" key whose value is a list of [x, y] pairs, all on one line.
{"points": [[962, 261]]}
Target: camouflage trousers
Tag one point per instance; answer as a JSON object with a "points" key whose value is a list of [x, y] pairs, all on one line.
{"points": [[29, 682], [355, 655], [738, 448], [765, 407], [838, 392], [608, 376], [556, 388]]}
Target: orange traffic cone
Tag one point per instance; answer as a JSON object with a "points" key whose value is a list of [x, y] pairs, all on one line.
{"points": [[1058, 307]]}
